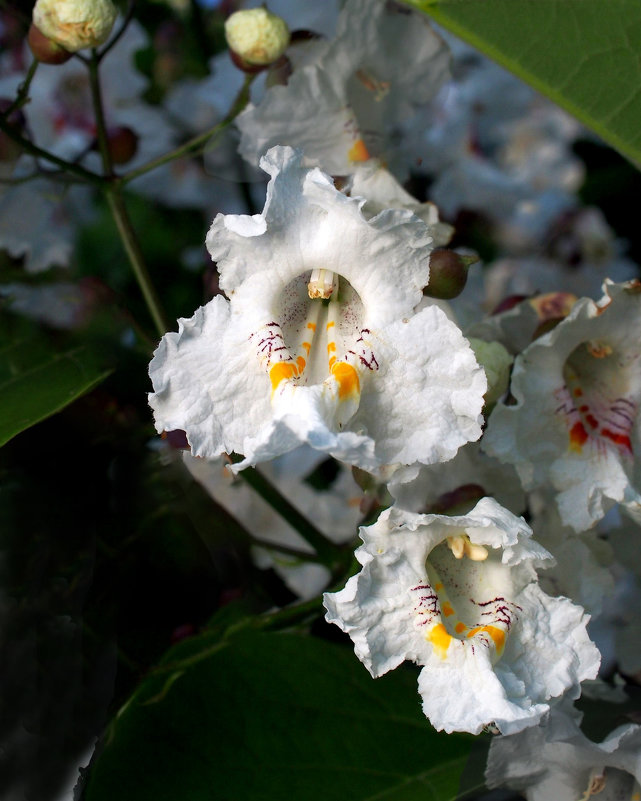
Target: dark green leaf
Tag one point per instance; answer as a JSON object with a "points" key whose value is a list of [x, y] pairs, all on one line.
{"points": [[583, 54], [38, 380], [273, 716]]}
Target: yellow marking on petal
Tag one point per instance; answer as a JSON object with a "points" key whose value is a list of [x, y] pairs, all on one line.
{"points": [[497, 635], [347, 377], [440, 639], [460, 628], [331, 347], [447, 609], [330, 324], [307, 346], [332, 362], [358, 151], [282, 371], [301, 364], [311, 326], [438, 586]]}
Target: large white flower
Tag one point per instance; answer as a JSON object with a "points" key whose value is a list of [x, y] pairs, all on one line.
{"points": [[342, 108], [459, 596], [574, 425], [319, 342], [557, 762]]}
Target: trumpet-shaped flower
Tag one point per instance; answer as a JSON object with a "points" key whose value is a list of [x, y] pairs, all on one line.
{"points": [[574, 425], [459, 596], [319, 342]]}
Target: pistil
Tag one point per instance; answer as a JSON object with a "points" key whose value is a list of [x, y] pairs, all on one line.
{"points": [[322, 284]]}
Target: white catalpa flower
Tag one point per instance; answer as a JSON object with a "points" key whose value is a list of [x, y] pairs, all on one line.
{"points": [[574, 425], [342, 108], [557, 761], [319, 342], [459, 596]]}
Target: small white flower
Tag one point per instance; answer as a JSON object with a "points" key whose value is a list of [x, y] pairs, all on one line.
{"points": [[458, 595], [557, 762], [319, 342], [574, 425]]}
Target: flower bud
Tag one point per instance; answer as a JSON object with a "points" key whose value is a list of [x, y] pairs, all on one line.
{"points": [[75, 24], [45, 49], [122, 143], [448, 273], [256, 38], [496, 361]]}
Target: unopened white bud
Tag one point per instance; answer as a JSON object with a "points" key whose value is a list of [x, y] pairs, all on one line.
{"points": [[75, 24], [257, 36]]}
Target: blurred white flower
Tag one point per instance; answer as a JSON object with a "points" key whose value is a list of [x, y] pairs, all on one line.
{"points": [[557, 761], [342, 108], [334, 510]]}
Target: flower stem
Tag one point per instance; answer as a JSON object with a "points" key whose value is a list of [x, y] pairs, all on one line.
{"points": [[327, 551], [118, 207], [197, 142], [14, 134], [132, 248], [23, 90]]}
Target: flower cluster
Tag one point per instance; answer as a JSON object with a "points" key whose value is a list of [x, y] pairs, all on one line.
{"points": [[354, 369], [327, 339]]}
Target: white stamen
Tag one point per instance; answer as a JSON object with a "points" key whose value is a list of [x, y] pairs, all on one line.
{"points": [[461, 546], [596, 784]]}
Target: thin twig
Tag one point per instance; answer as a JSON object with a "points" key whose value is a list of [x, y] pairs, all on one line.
{"points": [[118, 207], [197, 142], [327, 551], [23, 90], [269, 545], [14, 134], [125, 23]]}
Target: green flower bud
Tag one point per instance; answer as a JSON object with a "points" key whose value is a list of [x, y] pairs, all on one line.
{"points": [[496, 361], [448, 273]]}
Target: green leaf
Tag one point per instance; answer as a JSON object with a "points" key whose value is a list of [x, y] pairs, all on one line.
{"points": [[583, 54], [37, 380], [274, 716]]}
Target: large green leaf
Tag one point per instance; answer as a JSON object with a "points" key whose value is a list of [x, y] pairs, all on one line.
{"points": [[583, 54], [38, 380], [273, 716]]}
